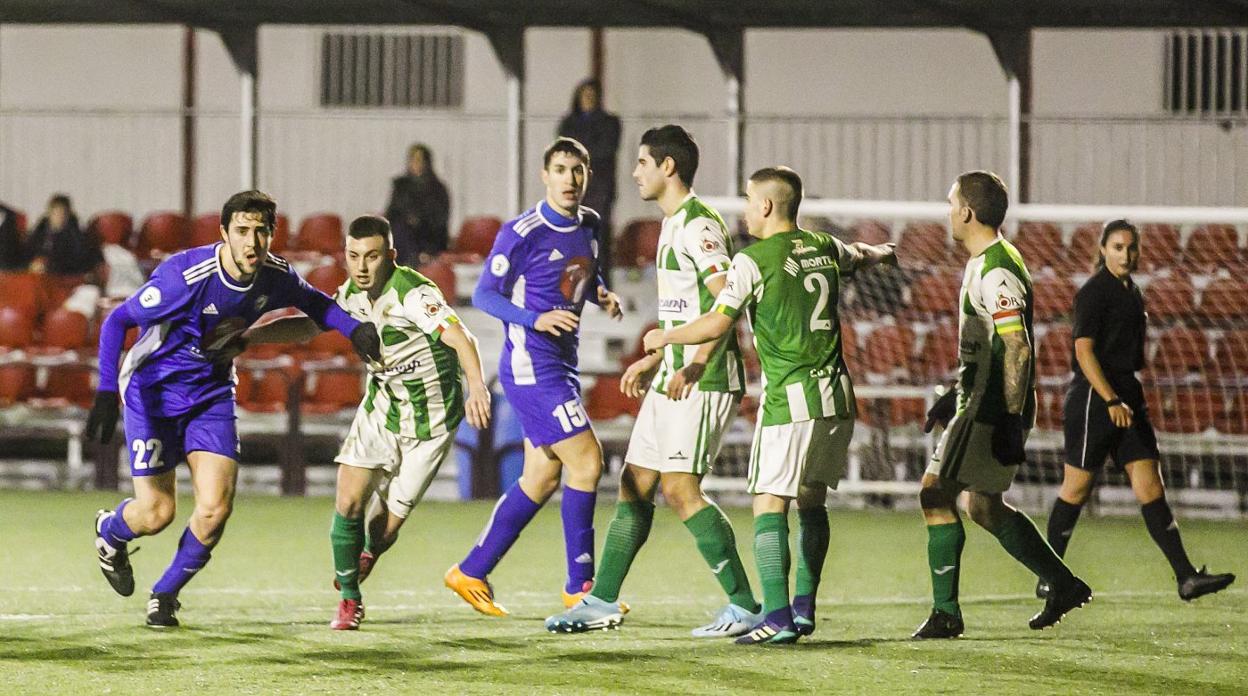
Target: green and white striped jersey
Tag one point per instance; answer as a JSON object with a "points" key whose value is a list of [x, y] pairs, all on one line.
{"points": [[789, 285], [995, 300], [416, 388], [693, 248]]}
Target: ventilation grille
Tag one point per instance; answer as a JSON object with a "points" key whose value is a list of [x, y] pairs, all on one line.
{"points": [[1207, 73], [392, 70]]}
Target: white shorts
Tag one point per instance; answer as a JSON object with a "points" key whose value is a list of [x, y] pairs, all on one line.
{"points": [[787, 456], [964, 454], [409, 464], [680, 436]]}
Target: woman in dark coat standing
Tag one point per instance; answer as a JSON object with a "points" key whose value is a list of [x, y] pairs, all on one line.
{"points": [[418, 210], [599, 132]]}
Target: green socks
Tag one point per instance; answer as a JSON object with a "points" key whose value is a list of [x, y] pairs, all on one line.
{"points": [[715, 539], [346, 536], [628, 531], [812, 549], [771, 553], [944, 558], [1019, 536]]}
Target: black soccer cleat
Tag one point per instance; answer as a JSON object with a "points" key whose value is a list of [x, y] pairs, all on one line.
{"points": [[1203, 583], [1042, 589], [1060, 603], [162, 610], [940, 624], [114, 562]]}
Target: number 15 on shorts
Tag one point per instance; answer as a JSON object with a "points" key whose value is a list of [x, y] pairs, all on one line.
{"points": [[571, 415]]}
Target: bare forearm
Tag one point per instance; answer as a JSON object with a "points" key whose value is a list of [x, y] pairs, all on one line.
{"points": [[284, 330], [708, 327], [1091, 368], [1017, 374], [466, 350], [870, 254]]}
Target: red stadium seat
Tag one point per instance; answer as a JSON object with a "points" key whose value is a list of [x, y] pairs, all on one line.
{"points": [[164, 233], [17, 383], [206, 229], [604, 400], [321, 233], [638, 243], [1230, 357], [748, 408], [270, 392], [1049, 407], [1081, 254], [1040, 244], [1224, 300], [1054, 298], [935, 294], [889, 350], [1184, 409], [335, 390], [245, 387], [939, 355], [1180, 351], [281, 235], [892, 412], [21, 221], [1170, 299], [1053, 352], [93, 341], [23, 292], [1211, 247], [113, 228], [328, 344], [476, 237], [69, 385], [1234, 420], [58, 288], [17, 328], [65, 330], [327, 278], [443, 275], [924, 245], [849, 345], [1159, 246], [872, 232]]}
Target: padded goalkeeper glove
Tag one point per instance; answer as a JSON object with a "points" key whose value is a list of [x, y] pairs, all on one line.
{"points": [[102, 421], [366, 342], [942, 411]]}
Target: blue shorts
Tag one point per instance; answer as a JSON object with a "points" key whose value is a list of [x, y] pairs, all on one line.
{"points": [[549, 411], [158, 443]]}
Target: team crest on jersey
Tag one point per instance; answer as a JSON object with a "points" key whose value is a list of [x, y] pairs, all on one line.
{"points": [[799, 247], [432, 309], [575, 276], [1007, 301], [261, 302], [710, 244], [150, 297]]}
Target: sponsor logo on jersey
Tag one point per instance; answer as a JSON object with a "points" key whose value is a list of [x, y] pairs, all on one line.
{"points": [[261, 302], [791, 267], [555, 255], [403, 369], [673, 305], [819, 262], [150, 297], [800, 248], [679, 455], [710, 244], [574, 278], [210, 309], [499, 265], [1009, 302], [432, 309]]}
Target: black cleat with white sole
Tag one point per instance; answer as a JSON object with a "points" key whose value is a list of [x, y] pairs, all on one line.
{"points": [[1061, 602], [162, 610], [114, 562]]}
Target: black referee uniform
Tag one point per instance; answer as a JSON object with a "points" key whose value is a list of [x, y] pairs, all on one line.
{"points": [[1112, 314]]}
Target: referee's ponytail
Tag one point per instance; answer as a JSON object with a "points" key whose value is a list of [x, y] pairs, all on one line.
{"points": [[1109, 228]]}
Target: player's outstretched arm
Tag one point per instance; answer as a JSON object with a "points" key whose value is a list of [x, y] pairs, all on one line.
{"points": [[869, 255], [477, 405], [283, 330], [708, 327]]}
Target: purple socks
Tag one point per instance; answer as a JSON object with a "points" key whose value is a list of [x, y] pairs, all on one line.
{"points": [[191, 557], [115, 532], [577, 511], [511, 514]]}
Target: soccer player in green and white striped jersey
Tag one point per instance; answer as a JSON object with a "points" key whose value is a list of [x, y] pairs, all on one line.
{"points": [[988, 415], [788, 283], [693, 396], [405, 426]]}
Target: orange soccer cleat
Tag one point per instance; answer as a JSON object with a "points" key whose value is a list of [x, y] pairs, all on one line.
{"points": [[475, 591]]}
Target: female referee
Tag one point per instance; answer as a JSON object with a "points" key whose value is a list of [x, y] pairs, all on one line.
{"points": [[1105, 413]]}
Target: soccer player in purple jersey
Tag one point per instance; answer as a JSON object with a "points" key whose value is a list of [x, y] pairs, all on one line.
{"points": [[542, 269], [177, 387]]}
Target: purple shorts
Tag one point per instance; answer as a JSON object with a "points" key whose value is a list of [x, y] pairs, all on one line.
{"points": [[158, 443], [549, 411]]}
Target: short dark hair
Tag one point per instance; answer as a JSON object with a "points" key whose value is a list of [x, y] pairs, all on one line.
{"points": [[252, 201], [566, 145], [985, 194], [675, 142], [789, 179], [1110, 227], [61, 200], [366, 226]]}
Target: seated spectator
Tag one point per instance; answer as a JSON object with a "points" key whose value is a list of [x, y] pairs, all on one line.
{"points": [[12, 254], [418, 210], [59, 246]]}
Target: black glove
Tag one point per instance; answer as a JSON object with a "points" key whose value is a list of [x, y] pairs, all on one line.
{"points": [[102, 421], [942, 411], [1007, 440], [366, 342]]}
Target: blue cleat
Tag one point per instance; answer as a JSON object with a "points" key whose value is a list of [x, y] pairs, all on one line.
{"points": [[589, 614], [775, 629], [804, 614], [731, 622]]}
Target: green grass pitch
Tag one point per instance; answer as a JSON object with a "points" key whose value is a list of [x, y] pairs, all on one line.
{"points": [[256, 620]]}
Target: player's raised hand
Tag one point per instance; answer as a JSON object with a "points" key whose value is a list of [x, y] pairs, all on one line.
{"points": [[102, 421], [682, 383], [610, 302], [653, 341], [557, 322], [366, 342], [637, 377], [477, 406]]}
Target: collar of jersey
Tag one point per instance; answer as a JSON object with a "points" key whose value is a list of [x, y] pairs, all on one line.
{"points": [[225, 277], [555, 221], [1000, 238]]}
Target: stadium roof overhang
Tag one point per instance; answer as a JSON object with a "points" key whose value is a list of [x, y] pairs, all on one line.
{"points": [[697, 15]]}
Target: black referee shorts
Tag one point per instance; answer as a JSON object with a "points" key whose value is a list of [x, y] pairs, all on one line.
{"points": [[1091, 436]]}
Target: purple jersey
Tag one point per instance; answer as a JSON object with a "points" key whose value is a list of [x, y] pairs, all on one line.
{"points": [[190, 309], [543, 261]]}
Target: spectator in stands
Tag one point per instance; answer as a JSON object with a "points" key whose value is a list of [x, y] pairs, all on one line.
{"points": [[599, 132], [59, 246], [418, 209], [12, 254]]}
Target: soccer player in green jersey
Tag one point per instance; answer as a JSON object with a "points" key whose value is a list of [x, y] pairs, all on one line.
{"points": [[693, 396], [405, 426], [788, 283], [988, 416]]}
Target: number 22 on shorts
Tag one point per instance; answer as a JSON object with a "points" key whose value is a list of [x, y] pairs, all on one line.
{"points": [[146, 453]]}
